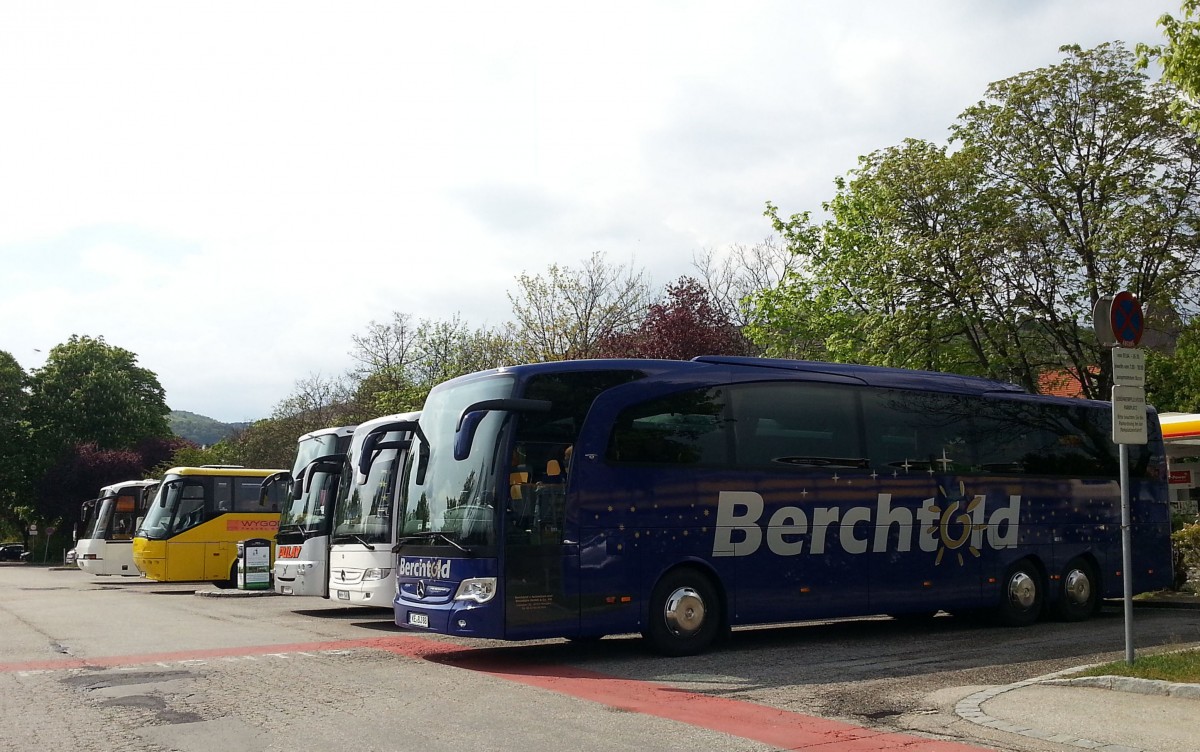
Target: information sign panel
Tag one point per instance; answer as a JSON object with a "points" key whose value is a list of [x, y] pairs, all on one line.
{"points": [[1129, 366], [1129, 415]]}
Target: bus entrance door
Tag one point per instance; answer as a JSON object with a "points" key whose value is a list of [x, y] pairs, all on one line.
{"points": [[541, 596], [218, 560]]}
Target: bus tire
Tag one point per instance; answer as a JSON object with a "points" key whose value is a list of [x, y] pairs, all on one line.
{"points": [[1021, 595], [231, 582], [685, 613], [1078, 591]]}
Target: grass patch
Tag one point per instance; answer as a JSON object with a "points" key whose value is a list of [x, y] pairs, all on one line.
{"points": [[1183, 666]]}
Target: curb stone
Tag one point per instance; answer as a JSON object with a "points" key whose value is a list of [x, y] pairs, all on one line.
{"points": [[231, 593], [1132, 684]]}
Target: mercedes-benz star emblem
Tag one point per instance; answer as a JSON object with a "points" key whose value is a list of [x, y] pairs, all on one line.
{"points": [[421, 589]]}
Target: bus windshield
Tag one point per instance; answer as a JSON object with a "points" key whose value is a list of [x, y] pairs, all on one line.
{"points": [[310, 513], [103, 517], [363, 511], [91, 516], [456, 498], [178, 506]]}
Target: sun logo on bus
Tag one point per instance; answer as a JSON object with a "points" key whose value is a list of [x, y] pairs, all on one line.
{"points": [[955, 525]]}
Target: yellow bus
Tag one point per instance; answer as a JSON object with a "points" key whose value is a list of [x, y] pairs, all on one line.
{"points": [[191, 530]]}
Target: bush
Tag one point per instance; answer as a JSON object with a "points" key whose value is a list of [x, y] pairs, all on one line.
{"points": [[1186, 545]]}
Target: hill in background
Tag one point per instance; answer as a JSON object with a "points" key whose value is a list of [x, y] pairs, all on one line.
{"points": [[200, 429]]}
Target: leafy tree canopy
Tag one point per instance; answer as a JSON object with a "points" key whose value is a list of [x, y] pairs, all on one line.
{"points": [[1066, 183], [1179, 58], [14, 444], [92, 392]]}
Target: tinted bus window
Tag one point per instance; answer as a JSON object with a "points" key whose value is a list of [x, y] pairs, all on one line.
{"points": [[247, 496], [686, 428], [909, 432], [1038, 439], [796, 425]]}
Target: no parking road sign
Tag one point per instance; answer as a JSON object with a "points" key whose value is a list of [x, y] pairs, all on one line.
{"points": [[1118, 320]]}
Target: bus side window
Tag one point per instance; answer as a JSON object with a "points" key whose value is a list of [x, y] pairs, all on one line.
{"points": [[795, 426], [247, 495], [687, 428]]}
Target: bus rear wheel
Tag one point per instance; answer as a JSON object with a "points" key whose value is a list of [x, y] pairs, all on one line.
{"points": [[1078, 592], [1021, 595], [685, 613]]}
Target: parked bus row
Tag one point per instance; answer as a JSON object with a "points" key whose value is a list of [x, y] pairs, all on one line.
{"points": [[190, 529], [680, 499]]}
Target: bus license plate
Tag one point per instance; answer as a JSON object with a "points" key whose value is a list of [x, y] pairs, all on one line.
{"points": [[344, 595], [285, 589], [418, 620]]}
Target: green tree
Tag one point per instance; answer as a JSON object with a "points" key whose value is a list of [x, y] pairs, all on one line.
{"points": [[1173, 379], [90, 391], [188, 454], [14, 444], [1104, 178], [1067, 183], [89, 398], [1179, 58]]}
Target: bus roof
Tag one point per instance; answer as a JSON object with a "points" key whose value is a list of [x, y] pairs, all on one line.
{"points": [[234, 471], [332, 430], [370, 426], [741, 367], [113, 488]]}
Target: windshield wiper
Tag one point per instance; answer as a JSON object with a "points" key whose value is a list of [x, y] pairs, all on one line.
{"points": [[429, 537], [352, 536]]}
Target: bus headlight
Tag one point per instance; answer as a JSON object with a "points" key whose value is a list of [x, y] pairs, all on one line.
{"points": [[478, 589], [376, 573]]}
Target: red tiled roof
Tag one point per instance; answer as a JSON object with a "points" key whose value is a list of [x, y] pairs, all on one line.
{"points": [[1060, 384]]}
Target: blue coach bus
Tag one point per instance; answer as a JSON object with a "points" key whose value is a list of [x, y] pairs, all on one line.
{"points": [[681, 498]]}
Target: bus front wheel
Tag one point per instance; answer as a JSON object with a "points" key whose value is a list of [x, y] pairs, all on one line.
{"points": [[685, 613], [1022, 595], [1078, 593]]}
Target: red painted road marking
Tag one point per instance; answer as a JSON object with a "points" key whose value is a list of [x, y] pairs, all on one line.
{"points": [[779, 728]]}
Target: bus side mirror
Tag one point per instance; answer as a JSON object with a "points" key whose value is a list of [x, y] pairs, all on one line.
{"points": [[312, 471], [469, 420], [368, 449], [465, 435]]}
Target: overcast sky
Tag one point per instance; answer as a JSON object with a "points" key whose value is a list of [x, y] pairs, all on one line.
{"points": [[232, 190]]}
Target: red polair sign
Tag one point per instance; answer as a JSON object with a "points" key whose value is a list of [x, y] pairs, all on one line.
{"points": [[1180, 478], [251, 526]]}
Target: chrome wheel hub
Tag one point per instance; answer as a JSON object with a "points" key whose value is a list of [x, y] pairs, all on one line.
{"points": [[1022, 590], [1077, 588], [684, 612]]}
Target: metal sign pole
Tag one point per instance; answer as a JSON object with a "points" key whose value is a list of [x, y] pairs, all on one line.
{"points": [[1119, 324], [1126, 553]]}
